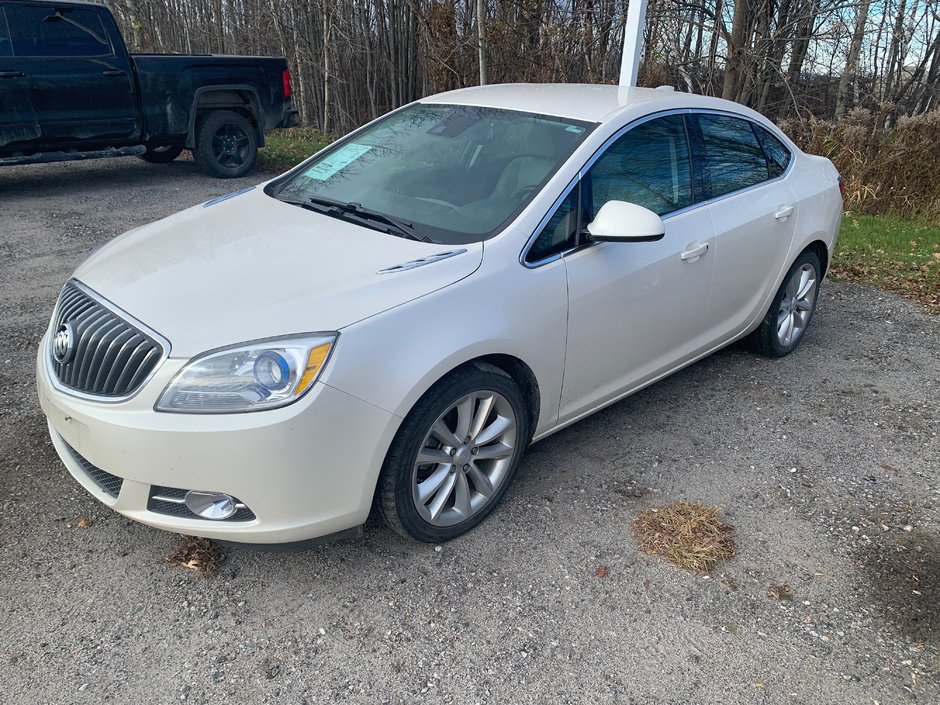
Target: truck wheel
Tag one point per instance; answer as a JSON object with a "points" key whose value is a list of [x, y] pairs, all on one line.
{"points": [[226, 144], [163, 154]]}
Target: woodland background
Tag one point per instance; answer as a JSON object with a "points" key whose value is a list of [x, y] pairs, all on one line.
{"points": [[856, 80]]}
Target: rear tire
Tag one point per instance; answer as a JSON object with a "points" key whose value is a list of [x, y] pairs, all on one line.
{"points": [[435, 484], [791, 310], [162, 154], [226, 144]]}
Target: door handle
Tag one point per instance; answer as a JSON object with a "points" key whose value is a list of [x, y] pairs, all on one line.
{"points": [[696, 250], [783, 212], [113, 72], [12, 74]]}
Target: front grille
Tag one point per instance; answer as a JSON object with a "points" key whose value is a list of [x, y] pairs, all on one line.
{"points": [[111, 484], [107, 356], [172, 501]]}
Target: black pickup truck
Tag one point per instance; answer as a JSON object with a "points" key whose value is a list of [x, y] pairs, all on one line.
{"points": [[69, 89]]}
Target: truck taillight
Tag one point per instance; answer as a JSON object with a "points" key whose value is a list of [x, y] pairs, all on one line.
{"points": [[841, 185], [288, 88]]}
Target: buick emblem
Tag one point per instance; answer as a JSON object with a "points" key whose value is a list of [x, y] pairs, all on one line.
{"points": [[63, 344]]}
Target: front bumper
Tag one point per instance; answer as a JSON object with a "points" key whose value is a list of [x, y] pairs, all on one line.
{"points": [[305, 471]]}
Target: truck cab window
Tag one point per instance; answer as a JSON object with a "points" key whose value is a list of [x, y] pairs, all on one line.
{"points": [[6, 46], [56, 32]]}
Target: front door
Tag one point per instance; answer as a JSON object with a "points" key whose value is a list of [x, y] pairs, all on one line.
{"points": [[82, 89], [18, 121], [635, 308]]}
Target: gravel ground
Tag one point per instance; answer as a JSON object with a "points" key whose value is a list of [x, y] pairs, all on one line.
{"points": [[826, 462]]}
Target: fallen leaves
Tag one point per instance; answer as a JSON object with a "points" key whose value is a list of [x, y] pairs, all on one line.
{"points": [[83, 523], [779, 592], [601, 571], [688, 534], [198, 554]]}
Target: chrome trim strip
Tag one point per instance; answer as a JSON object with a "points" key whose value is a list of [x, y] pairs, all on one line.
{"points": [[182, 500], [120, 313], [171, 500], [413, 264]]}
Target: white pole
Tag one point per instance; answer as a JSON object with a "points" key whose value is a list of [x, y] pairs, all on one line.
{"points": [[632, 42]]}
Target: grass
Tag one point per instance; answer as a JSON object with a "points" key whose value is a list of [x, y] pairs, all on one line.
{"points": [[894, 253], [897, 254], [689, 534], [285, 148]]}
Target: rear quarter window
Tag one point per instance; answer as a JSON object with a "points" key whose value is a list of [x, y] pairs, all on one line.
{"points": [[734, 157], [778, 156]]}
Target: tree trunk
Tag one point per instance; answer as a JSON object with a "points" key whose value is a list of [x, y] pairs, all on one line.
{"points": [[734, 69], [846, 95]]}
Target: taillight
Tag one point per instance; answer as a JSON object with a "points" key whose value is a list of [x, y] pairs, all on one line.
{"points": [[841, 185], [288, 88]]}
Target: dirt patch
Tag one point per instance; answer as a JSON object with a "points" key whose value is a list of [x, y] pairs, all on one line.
{"points": [[198, 554], [903, 572]]}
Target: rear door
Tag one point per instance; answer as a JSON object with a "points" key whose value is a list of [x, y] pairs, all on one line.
{"points": [[81, 85], [18, 121], [754, 213]]}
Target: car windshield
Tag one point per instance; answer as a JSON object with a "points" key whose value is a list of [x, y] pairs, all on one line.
{"points": [[449, 174]]}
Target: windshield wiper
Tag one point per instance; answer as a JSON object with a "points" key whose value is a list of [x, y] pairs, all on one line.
{"points": [[394, 226]]}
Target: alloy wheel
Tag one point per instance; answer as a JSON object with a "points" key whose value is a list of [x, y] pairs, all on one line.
{"points": [[231, 145], [797, 305], [465, 457]]}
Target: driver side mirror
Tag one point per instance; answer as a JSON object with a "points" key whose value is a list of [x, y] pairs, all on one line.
{"points": [[619, 221]]}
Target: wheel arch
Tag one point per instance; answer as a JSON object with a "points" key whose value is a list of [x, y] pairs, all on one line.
{"points": [[819, 248], [524, 378], [237, 97], [518, 370]]}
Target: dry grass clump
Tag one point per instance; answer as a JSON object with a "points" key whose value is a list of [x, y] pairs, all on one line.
{"points": [[886, 169], [198, 554], [688, 534]]}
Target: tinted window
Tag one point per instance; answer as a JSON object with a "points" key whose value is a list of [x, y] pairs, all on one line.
{"points": [[6, 47], [778, 156], [49, 31], [734, 156], [559, 233], [648, 166]]}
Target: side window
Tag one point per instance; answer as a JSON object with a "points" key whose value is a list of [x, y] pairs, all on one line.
{"points": [[734, 156], [49, 31], [778, 156], [6, 46], [560, 232], [648, 166]]}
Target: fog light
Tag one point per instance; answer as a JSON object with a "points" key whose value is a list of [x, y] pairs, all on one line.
{"points": [[210, 505]]}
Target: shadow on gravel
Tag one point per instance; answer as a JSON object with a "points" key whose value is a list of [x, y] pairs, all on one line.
{"points": [[904, 576], [124, 173]]}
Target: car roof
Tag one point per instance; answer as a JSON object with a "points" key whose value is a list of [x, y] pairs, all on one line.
{"points": [[581, 101]]}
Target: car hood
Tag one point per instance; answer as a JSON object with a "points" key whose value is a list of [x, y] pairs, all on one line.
{"points": [[251, 267]]}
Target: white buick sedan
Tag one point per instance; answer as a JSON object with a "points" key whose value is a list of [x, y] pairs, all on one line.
{"points": [[393, 321]]}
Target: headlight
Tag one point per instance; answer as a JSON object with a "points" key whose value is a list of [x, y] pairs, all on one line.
{"points": [[261, 375]]}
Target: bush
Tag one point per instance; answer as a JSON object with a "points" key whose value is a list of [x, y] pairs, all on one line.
{"points": [[886, 170]]}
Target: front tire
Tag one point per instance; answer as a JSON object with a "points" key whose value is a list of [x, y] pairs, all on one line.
{"points": [[455, 455], [226, 144], [791, 310]]}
